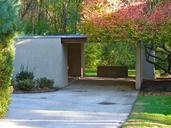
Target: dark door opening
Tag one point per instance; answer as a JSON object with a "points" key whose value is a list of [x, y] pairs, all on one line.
{"points": [[74, 60]]}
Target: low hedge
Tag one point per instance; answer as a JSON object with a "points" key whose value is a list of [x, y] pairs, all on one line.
{"points": [[6, 68], [5, 97]]}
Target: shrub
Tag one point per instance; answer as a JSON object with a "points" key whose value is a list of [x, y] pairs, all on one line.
{"points": [[44, 83], [24, 80], [5, 94], [25, 85], [24, 74], [7, 31]]}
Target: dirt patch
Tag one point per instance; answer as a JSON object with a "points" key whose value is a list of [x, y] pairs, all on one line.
{"points": [[155, 93], [156, 87]]}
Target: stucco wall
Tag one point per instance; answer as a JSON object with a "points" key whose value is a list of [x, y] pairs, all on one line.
{"points": [[144, 70], [46, 57]]}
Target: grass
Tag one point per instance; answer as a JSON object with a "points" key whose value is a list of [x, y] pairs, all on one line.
{"points": [[150, 112], [91, 72], [131, 72]]}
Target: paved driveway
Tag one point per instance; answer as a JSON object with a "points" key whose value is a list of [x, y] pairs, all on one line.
{"points": [[84, 104]]}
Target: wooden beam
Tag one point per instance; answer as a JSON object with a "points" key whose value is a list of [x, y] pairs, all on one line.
{"points": [[74, 40]]}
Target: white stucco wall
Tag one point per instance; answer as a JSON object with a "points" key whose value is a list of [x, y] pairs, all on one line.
{"points": [[46, 57]]}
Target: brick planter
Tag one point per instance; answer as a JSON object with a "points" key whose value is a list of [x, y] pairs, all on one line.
{"points": [[112, 71]]}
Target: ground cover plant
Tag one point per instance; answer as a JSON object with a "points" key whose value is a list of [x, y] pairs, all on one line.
{"points": [[44, 83]]}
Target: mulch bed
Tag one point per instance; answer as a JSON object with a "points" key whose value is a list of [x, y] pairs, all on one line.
{"points": [[156, 87], [154, 93]]}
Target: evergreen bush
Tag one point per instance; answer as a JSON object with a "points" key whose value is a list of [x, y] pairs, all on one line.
{"points": [[7, 31]]}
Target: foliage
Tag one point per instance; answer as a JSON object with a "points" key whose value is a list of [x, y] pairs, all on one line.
{"points": [[92, 55], [118, 54], [103, 50], [8, 21], [7, 30], [44, 83], [109, 54], [5, 97], [150, 111], [25, 81], [91, 72], [24, 74], [130, 22], [25, 85], [50, 17]]}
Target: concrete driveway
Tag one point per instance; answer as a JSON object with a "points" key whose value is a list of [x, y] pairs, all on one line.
{"points": [[83, 104]]}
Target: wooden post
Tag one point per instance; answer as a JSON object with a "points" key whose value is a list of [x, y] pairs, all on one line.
{"points": [[82, 60]]}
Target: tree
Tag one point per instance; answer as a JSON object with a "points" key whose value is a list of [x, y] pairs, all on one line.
{"points": [[147, 21], [92, 55], [8, 21], [50, 17], [111, 53]]}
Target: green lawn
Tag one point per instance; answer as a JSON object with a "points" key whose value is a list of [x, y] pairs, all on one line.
{"points": [[150, 112], [89, 72], [131, 72]]}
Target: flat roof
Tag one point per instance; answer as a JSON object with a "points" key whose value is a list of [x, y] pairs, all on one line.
{"points": [[67, 36]]}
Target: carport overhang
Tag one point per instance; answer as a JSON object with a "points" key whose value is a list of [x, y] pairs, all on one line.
{"points": [[144, 70], [74, 39]]}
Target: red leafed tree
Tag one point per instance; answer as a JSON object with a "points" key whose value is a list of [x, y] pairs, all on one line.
{"points": [[130, 20], [144, 20]]}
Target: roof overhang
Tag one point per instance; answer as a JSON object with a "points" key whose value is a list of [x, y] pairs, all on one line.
{"points": [[73, 40], [70, 38], [77, 38]]}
